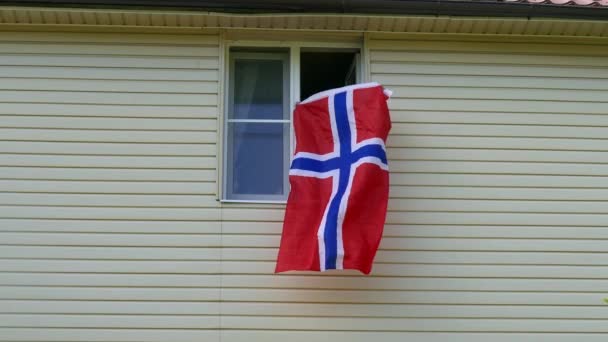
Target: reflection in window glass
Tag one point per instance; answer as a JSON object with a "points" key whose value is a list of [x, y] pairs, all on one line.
{"points": [[258, 89]]}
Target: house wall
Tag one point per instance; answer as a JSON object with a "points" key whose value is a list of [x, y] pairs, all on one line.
{"points": [[111, 231]]}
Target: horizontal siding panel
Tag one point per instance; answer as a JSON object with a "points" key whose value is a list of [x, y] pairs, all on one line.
{"points": [[142, 250], [499, 167], [384, 336], [102, 86], [440, 257], [397, 324], [496, 231], [481, 105], [448, 205], [410, 297], [254, 228], [251, 214], [340, 281], [409, 310], [126, 280], [486, 58], [118, 136], [109, 321], [96, 61], [110, 226], [493, 180], [502, 244], [491, 81], [109, 187], [115, 239], [503, 218], [83, 97], [162, 162], [110, 213], [104, 335], [104, 49], [452, 117], [496, 193], [485, 69], [337, 281], [458, 270], [92, 73], [165, 124], [110, 307], [68, 109], [521, 258], [444, 244], [497, 155], [139, 251], [408, 92], [103, 266], [161, 201], [447, 230], [40, 293], [100, 37], [109, 174], [501, 130], [498, 143], [106, 148], [328, 310]]}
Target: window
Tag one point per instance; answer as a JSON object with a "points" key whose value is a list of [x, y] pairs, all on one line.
{"points": [[257, 122], [257, 126]]}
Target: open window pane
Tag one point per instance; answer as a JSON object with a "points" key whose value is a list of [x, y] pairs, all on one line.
{"points": [[259, 87], [326, 69], [258, 156]]}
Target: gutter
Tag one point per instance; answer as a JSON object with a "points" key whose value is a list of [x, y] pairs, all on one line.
{"points": [[452, 8]]}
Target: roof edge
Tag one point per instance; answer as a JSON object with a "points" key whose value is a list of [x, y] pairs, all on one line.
{"points": [[475, 8], [12, 17]]}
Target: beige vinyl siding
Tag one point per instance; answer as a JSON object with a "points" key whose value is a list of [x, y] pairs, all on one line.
{"points": [[496, 224], [110, 230]]}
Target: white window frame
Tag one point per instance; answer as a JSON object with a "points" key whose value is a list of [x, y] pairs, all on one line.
{"points": [[294, 48], [276, 56]]}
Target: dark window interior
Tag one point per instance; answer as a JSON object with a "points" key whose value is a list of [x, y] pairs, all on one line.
{"points": [[322, 70]]}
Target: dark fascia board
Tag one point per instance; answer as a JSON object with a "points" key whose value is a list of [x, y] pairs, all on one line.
{"points": [[480, 8]]}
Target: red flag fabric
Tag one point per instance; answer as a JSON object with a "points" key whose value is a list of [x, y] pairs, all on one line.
{"points": [[339, 181]]}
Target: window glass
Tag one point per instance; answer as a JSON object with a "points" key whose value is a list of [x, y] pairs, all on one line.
{"points": [[257, 157], [257, 126], [258, 89]]}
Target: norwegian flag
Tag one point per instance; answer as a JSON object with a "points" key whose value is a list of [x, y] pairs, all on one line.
{"points": [[339, 181]]}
